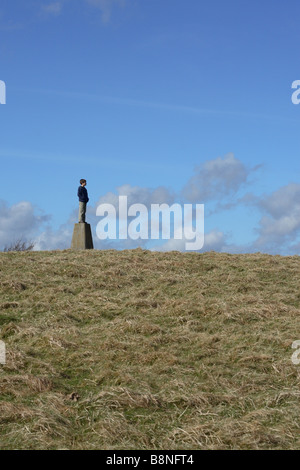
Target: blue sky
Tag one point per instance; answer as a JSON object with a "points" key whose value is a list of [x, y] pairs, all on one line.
{"points": [[148, 97]]}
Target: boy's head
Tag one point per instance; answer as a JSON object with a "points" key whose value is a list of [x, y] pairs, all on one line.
{"points": [[82, 182]]}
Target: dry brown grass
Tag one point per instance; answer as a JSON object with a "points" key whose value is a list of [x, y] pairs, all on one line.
{"points": [[143, 350]]}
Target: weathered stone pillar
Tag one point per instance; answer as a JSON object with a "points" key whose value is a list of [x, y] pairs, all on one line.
{"points": [[82, 237]]}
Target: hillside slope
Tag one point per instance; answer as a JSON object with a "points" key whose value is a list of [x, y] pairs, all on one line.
{"points": [[143, 350]]}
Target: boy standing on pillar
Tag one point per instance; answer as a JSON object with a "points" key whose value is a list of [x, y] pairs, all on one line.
{"points": [[83, 200]]}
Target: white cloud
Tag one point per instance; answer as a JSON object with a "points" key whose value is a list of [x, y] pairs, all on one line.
{"points": [[19, 221], [216, 179], [282, 201], [279, 225], [213, 241], [138, 195], [54, 240]]}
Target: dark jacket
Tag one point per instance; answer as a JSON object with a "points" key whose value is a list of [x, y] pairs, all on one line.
{"points": [[82, 194]]}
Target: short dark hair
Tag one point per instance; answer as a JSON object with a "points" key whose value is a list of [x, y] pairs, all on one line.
{"points": [[82, 181]]}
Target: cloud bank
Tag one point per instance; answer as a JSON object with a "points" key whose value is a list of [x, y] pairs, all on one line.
{"points": [[277, 229]]}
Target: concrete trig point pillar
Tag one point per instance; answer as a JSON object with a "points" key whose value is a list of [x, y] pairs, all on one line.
{"points": [[82, 237]]}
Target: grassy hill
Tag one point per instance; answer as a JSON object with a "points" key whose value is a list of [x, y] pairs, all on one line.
{"points": [[143, 350]]}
